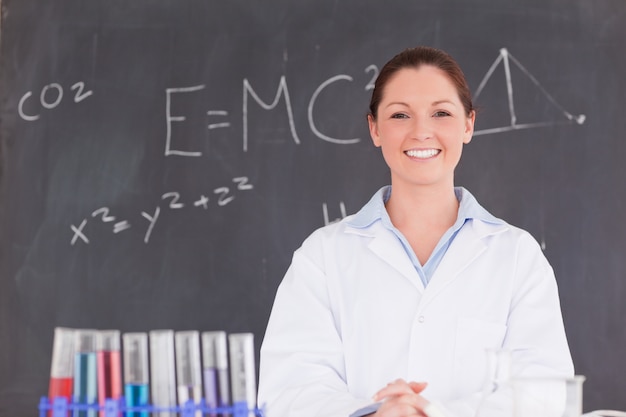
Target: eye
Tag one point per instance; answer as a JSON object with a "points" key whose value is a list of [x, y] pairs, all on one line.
{"points": [[399, 116], [441, 113]]}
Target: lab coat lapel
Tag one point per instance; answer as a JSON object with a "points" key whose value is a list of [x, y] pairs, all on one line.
{"points": [[386, 246], [467, 246]]}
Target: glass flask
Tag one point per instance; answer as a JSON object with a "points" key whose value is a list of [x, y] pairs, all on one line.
{"points": [[505, 395], [548, 396]]}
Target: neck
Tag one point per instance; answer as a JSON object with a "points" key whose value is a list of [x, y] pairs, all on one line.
{"points": [[417, 206]]}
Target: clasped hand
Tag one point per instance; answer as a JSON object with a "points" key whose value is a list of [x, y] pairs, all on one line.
{"points": [[402, 399]]}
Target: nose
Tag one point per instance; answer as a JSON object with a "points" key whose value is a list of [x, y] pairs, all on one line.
{"points": [[422, 128]]}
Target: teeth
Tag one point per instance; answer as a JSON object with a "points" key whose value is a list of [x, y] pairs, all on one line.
{"points": [[422, 154]]}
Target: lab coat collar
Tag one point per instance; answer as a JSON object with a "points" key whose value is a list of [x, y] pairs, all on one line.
{"points": [[375, 210], [465, 248]]}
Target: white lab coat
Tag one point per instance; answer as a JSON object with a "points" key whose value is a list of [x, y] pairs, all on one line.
{"points": [[352, 314]]}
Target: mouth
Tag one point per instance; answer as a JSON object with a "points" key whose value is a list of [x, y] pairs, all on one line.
{"points": [[422, 153]]}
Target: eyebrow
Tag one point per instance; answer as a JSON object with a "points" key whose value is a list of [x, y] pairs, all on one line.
{"points": [[434, 103]]}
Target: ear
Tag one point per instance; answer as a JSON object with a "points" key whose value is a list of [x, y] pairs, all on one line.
{"points": [[373, 126], [469, 127]]}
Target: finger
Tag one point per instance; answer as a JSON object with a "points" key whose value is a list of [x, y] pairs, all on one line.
{"points": [[398, 387], [403, 405], [418, 387]]}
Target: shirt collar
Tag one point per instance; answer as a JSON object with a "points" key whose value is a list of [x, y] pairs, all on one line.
{"points": [[374, 210]]}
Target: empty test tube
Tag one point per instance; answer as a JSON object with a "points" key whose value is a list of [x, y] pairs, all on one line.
{"points": [[242, 370], [188, 368], [162, 372]]}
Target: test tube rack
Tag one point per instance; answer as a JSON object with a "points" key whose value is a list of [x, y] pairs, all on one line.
{"points": [[61, 407]]}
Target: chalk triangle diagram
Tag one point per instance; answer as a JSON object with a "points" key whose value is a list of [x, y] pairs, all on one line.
{"points": [[541, 103]]}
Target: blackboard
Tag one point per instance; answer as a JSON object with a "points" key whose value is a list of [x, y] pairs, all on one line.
{"points": [[162, 159]]}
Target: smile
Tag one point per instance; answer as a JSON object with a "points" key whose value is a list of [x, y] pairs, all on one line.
{"points": [[422, 153]]}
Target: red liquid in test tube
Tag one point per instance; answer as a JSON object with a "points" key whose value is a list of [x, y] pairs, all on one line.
{"points": [[60, 387], [109, 366], [62, 367]]}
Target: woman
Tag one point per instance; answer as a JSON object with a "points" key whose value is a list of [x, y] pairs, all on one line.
{"points": [[400, 301]]}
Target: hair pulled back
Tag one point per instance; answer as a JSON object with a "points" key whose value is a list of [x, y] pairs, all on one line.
{"points": [[414, 58]]}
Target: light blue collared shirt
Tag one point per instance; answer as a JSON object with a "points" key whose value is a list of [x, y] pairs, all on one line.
{"points": [[469, 208]]}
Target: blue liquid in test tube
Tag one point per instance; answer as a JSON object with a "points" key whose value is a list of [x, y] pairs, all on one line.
{"points": [[85, 374], [136, 373]]}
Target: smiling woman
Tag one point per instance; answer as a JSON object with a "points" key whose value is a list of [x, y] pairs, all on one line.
{"points": [[400, 301], [421, 128], [421, 125]]}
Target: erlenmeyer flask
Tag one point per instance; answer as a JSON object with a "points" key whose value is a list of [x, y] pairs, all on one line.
{"points": [[548, 396], [505, 395]]}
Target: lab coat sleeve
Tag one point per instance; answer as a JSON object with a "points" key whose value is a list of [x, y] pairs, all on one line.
{"points": [[302, 370], [536, 333]]}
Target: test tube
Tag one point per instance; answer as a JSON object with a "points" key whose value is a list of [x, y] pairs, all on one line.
{"points": [[215, 371], [85, 373], [188, 368], [62, 366], [162, 372], [109, 360], [136, 373], [242, 370]]}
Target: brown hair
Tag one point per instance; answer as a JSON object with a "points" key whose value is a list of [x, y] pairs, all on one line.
{"points": [[414, 58]]}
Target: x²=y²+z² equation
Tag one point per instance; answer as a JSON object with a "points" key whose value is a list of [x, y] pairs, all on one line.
{"points": [[221, 196]]}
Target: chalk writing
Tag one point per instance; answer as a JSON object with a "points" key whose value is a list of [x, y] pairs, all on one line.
{"points": [[374, 70], [50, 97], [505, 58], [173, 199], [152, 220], [282, 91], [78, 232], [169, 119], [312, 104], [217, 113], [282, 88]]}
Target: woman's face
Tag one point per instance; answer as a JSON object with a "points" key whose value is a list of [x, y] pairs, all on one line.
{"points": [[421, 127]]}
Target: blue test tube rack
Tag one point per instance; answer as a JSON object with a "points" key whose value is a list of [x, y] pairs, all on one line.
{"points": [[60, 407]]}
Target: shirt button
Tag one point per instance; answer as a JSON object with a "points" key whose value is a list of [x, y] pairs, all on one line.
{"points": [[421, 319]]}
